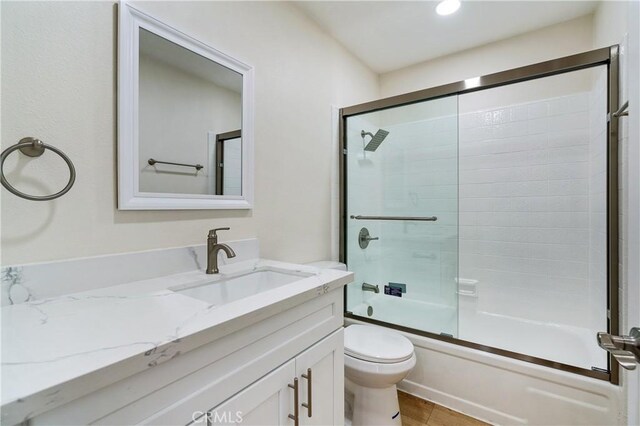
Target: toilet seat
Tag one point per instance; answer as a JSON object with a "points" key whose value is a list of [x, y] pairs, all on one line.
{"points": [[376, 344]]}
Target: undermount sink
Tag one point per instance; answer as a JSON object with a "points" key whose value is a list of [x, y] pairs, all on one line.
{"points": [[228, 289]]}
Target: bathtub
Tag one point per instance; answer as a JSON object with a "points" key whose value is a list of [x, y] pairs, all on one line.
{"points": [[565, 344], [494, 388]]}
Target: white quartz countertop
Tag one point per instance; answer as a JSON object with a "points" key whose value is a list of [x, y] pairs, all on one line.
{"points": [[58, 349]]}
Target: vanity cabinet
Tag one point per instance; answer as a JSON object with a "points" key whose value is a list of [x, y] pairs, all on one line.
{"points": [[244, 374], [272, 400], [324, 365], [266, 402]]}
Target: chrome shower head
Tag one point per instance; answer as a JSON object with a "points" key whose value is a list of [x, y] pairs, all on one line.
{"points": [[376, 139]]}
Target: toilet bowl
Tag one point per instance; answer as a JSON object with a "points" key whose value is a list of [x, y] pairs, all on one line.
{"points": [[375, 360]]}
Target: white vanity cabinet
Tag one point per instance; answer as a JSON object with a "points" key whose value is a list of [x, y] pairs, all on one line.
{"points": [[324, 365], [272, 399], [269, 401], [244, 374]]}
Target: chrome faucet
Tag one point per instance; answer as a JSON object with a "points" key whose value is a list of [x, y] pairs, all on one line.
{"points": [[213, 247]]}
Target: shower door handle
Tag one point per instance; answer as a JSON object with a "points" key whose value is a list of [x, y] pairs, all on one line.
{"points": [[624, 349]]}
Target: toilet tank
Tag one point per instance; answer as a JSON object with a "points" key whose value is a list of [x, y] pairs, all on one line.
{"points": [[328, 264]]}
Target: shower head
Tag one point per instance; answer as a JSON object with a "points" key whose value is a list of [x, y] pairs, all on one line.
{"points": [[376, 139]]}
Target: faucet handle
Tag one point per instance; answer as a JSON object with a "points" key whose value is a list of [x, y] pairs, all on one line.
{"points": [[212, 233]]}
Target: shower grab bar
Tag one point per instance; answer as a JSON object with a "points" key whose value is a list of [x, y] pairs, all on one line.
{"points": [[416, 218]]}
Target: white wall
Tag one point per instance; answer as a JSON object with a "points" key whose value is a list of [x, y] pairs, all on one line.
{"points": [[58, 84], [552, 42], [610, 23]]}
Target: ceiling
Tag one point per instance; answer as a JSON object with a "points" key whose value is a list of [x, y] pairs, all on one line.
{"points": [[389, 35]]}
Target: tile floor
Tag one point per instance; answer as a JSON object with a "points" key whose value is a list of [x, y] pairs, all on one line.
{"points": [[416, 411]]}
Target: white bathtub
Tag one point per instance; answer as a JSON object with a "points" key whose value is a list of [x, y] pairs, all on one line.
{"points": [[574, 346], [499, 389]]}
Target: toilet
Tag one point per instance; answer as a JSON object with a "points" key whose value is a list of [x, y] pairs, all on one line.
{"points": [[375, 360]]}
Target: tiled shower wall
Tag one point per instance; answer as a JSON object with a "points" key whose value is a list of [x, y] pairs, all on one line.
{"points": [[412, 173], [526, 174], [364, 179], [598, 203], [421, 179]]}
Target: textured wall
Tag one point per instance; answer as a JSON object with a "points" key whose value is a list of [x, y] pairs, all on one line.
{"points": [[59, 82]]}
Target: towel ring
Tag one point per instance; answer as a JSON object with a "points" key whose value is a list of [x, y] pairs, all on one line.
{"points": [[33, 147]]}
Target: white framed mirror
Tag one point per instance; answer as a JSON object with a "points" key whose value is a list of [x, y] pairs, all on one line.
{"points": [[185, 120]]}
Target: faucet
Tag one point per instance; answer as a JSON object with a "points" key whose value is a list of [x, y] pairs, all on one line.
{"points": [[213, 247], [370, 287]]}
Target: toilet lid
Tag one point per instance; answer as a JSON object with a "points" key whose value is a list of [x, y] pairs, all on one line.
{"points": [[376, 344]]}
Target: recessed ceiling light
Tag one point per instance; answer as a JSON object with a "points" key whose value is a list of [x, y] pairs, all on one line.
{"points": [[447, 7]]}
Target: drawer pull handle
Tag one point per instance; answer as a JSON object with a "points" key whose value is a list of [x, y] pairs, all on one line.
{"points": [[295, 416], [308, 405]]}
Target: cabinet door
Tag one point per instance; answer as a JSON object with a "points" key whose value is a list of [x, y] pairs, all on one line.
{"points": [[269, 401], [320, 371]]}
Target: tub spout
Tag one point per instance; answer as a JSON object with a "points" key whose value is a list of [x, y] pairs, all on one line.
{"points": [[370, 287]]}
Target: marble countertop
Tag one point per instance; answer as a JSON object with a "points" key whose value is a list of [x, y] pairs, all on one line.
{"points": [[56, 350]]}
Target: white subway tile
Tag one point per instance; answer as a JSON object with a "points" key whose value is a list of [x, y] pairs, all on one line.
{"points": [[538, 110]]}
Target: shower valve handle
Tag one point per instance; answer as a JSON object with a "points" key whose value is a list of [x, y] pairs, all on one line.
{"points": [[364, 237]]}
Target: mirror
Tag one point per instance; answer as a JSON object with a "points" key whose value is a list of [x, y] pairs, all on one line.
{"points": [[185, 112]]}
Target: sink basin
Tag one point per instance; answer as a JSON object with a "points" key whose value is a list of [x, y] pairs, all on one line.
{"points": [[231, 288]]}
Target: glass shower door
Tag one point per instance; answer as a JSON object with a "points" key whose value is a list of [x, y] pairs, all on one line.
{"points": [[402, 215]]}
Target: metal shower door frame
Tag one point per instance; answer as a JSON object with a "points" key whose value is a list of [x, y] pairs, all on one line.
{"points": [[608, 56]]}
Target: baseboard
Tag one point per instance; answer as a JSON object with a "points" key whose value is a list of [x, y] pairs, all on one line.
{"points": [[460, 405]]}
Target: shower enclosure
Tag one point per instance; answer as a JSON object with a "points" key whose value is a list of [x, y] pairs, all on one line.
{"points": [[485, 212]]}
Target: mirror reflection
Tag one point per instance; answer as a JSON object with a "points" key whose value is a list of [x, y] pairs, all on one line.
{"points": [[190, 121]]}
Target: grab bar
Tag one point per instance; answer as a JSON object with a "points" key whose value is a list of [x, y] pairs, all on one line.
{"points": [[151, 162], [416, 218]]}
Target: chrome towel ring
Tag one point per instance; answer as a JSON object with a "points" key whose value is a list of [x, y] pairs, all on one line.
{"points": [[33, 147]]}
